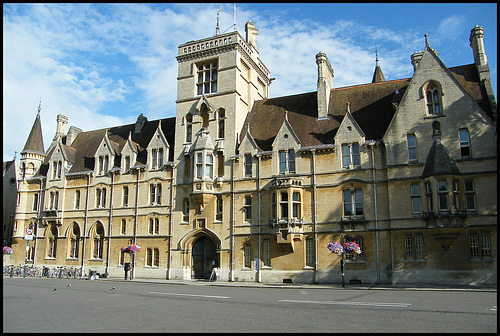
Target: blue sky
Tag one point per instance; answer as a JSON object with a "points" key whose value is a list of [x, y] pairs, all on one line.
{"points": [[104, 64]]}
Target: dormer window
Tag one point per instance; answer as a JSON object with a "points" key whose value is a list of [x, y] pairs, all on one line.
{"points": [[127, 163], [57, 169], [286, 161], [350, 156], [157, 158], [103, 164]]}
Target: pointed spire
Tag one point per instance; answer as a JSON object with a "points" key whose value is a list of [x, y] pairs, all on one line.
{"points": [[34, 143], [378, 76]]}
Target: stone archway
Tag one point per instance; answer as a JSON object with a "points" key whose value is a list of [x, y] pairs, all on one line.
{"points": [[204, 257]]}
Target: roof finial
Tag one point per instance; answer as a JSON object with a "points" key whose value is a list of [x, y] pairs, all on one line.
{"points": [[39, 107], [217, 31], [376, 54], [426, 41]]}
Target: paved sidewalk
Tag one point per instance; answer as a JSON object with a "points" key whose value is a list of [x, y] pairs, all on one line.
{"points": [[488, 288]]}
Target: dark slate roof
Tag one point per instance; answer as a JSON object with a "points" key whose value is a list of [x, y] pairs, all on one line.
{"points": [[82, 150], [468, 77], [439, 162], [34, 144], [371, 106]]}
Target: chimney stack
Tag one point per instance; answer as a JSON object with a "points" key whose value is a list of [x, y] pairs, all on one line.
{"points": [[477, 43], [252, 33], [325, 83], [62, 121]]}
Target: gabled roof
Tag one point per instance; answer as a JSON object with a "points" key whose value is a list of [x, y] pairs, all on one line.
{"points": [[85, 145], [34, 143], [370, 105]]}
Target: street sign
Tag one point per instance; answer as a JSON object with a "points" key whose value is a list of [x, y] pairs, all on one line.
{"points": [[29, 230], [28, 237]]}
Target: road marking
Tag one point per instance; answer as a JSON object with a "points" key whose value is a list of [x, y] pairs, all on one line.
{"points": [[374, 304], [493, 308], [194, 295]]}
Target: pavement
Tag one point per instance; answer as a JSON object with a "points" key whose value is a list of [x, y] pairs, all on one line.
{"points": [[412, 287]]}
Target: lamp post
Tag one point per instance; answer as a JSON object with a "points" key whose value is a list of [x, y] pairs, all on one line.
{"points": [[341, 248], [342, 261]]}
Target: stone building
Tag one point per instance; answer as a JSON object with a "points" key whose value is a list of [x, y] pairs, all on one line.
{"points": [[256, 187]]}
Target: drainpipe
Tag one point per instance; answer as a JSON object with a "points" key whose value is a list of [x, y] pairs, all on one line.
{"points": [[132, 271], [315, 216], [85, 222], [231, 228], [170, 223], [372, 146], [260, 213], [110, 221]]}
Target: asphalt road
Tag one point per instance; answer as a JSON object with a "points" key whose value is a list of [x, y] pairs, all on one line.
{"points": [[32, 305]]}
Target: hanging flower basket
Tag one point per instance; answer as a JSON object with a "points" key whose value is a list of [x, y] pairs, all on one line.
{"points": [[7, 250], [132, 248], [335, 248], [352, 247]]}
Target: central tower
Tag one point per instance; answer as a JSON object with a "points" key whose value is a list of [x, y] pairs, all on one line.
{"points": [[218, 80]]}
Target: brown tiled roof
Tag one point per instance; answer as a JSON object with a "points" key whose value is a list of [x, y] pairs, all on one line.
{"points": [[372, 106]]}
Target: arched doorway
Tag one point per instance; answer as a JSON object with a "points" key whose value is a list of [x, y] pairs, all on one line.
{"points": [[205, 258]]}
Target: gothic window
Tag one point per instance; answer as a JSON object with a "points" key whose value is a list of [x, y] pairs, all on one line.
{"points": [[74, 241], [124, 226], [207, 78], [267, 253], [185, 210], [97, 241], [52, 242], [35, 202], [464, 143], [154, 225], [204, 165], [433, 98]]}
